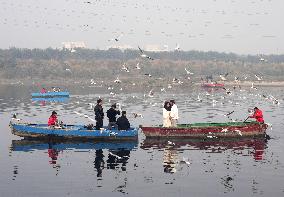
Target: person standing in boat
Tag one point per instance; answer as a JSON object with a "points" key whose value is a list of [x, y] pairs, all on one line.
{"points": [[122, 122], [99, 114], [167, 114], [174, 113], [111, 114], [257, 115], [52, 121]]}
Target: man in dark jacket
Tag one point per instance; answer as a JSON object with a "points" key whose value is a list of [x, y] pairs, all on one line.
{"points": [[122, 122], [111, 114], [99, 113]]}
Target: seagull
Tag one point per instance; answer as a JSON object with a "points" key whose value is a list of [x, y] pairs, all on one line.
{"points": [[258, 78], [117, 80], [125, 68], [188, 72], [137, 66], [223, 77], [68, 69], [117, 38], [163, 90], [93, 82], [144, 55], [137, 115], [177, 48], [151, 93], [253, 87], [171, 143], [199, 99], [227, 91], [147, 74], [185, 161]]}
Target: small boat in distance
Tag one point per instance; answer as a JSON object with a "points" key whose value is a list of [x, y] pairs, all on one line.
{"points": [[207, 130], [50, 94], [71, 132], [212, 85], [54, 92]]}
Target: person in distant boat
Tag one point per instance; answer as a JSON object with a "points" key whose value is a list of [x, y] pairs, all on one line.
{"points": [[52, 121], [167, 114], [174, 113], [111, 114], [43, 90], [257, 115], [99, 114], [122, 122]]}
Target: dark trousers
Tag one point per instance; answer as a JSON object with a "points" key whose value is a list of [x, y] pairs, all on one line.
{"points": [[99, 124]]}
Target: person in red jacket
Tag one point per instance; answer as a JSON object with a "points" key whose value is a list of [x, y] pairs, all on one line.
{"points": [[257, 115], [52, 121]]}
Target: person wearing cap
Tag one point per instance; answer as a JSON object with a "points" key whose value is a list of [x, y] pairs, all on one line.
{"points": [[52, 121], [99, 114], [122, 122], [111, 114], [257, 115], [174, 113]]}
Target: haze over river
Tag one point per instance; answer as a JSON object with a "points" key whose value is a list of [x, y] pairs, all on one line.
{"points": [[248, 167]]}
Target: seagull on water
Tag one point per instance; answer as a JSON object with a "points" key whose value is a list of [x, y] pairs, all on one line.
{"points": [[258, 78], [117, 80]]}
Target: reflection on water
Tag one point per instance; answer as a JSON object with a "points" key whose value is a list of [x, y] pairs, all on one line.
{"points": [[240, 167]]}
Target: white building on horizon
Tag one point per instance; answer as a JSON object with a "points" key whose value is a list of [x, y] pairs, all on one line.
{"points": [[74, 45]]}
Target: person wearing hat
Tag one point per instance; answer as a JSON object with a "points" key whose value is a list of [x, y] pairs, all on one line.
{"points": [[99, 114], [52, 121], [174, 113], [111, 114], [257, 115], [122, 122]]}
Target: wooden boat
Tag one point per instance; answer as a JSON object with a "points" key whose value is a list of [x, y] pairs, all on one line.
{"points": [[70, 132], [213, 85], [208, 130], [61, 99], [50, 94]]}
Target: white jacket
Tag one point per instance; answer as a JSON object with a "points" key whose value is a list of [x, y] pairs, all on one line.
{"points": [[174, 112]]}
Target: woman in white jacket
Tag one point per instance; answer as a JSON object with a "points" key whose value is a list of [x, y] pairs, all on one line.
{"points": [[167, 114], [174, 113]]}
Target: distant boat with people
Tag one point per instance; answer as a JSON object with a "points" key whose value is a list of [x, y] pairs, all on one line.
{"points": [[54, 92], [212, 85]]}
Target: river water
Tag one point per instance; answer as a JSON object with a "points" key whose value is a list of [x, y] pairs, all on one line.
{"points": [[248, 167]]}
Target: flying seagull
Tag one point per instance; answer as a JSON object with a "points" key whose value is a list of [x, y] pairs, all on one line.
{"points": [[144, 55]]}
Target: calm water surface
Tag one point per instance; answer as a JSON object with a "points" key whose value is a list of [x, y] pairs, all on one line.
{"points": [[249, 167]]}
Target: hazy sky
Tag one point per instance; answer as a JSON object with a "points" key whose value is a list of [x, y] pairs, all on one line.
{"points": [[240, 26]]}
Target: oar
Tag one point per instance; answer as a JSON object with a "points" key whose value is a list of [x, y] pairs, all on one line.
{"points": [[84, 116], [246, 119]]}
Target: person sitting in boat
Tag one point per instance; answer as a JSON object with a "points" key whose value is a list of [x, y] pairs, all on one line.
{"points": [[122, 122], [111, 114], [52, 121], [167, 114], [257, 115], [43, 90], [174, 113]]}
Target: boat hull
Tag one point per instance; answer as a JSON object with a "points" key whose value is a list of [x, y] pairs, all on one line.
{"points": [[213, 85], [50, 94], [71, 132], [209, 130]]}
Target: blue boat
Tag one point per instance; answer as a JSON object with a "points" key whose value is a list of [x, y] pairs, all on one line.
{"points": [[51, 99], [50, 94], [71, 132]]}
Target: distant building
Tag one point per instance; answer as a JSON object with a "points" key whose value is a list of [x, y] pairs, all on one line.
{"points": [[73, 45], [121, 47], [156, 48]]}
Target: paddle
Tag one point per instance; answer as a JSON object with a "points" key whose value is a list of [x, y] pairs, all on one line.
{"points": [[246, 119]]}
